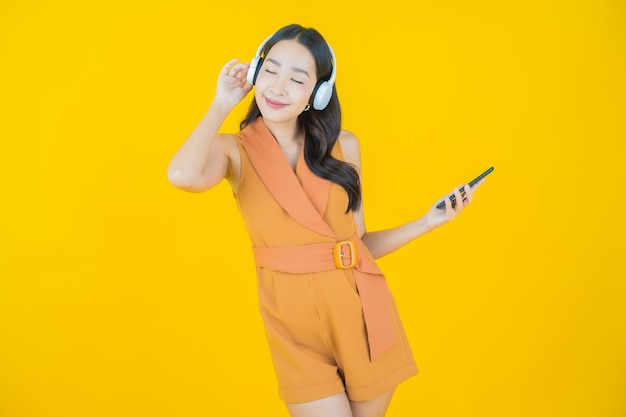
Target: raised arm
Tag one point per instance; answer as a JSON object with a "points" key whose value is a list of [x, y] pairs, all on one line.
{"points": [[207, 157], [383, 242]]}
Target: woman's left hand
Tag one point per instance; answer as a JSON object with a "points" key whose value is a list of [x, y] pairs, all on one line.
{"points": [[438, 216]]}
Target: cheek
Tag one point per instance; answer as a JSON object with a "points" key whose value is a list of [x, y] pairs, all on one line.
{"points": [[258, 93], [260, 83], [304, 93], [260, 88]]}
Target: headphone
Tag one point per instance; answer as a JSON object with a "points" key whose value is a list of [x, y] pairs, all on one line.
{"points": [[322, 92]]}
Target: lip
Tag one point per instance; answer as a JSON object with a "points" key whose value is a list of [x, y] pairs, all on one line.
{"points": [[274, 104]]}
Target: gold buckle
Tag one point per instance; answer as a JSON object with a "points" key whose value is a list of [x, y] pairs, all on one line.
{"points": [[345, 255]]}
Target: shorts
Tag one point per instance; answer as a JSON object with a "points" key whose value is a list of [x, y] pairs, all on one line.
{"points": [[317, 337]]}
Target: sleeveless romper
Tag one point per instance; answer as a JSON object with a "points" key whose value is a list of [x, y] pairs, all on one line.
{"points": [[314, 322]]}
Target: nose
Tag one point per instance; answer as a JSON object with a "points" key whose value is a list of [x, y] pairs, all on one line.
{"points": [[279, 85]]}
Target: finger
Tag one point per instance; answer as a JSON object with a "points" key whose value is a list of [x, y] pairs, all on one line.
{"points": [[240, 70], [241, 67], [449, 209], [459, 199], [468, 194], [228, 65]]}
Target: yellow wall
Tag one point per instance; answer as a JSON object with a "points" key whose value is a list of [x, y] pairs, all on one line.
{"points": [[123, 296]]}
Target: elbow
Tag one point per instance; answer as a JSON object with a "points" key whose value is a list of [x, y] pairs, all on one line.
{"points": [[180, 179], [187, 181]]}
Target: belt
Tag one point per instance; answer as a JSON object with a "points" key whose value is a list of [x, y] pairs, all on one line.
{"points": [[345, 254]]}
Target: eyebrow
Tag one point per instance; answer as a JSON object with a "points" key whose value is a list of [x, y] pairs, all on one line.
{"points": [[296, 69]]}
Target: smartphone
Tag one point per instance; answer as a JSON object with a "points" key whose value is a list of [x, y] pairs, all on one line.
{"points": [[474, 181]]}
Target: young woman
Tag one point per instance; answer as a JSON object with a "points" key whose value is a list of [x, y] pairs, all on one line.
{"points": [[336, 339]]}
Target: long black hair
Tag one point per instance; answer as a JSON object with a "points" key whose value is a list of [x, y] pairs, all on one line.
{"points": [[321, 127]]}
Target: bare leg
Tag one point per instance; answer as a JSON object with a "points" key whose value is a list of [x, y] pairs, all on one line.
{"points": [[334, 406], [376, 407], [338, 405]]}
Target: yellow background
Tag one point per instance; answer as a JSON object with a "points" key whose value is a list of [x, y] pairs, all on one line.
{"points": [[123, 296]]}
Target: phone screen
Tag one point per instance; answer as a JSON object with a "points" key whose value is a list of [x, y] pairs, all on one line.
{"points": [[471, 183]]}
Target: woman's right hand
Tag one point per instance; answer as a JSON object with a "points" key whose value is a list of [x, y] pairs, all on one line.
{"points": [[231, 83]]}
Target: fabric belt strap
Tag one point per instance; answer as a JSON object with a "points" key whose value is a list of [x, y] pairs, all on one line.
{"points": [[370, 281]]}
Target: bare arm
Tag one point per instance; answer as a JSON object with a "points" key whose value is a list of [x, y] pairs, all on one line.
{"points": [[383, 242], [204, 158]]}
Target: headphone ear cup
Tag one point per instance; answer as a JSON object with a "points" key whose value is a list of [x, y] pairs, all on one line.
{"points": [[253, 70], [323, 93]]}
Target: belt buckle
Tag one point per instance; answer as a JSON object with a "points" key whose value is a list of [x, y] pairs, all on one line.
{"points": [[345, 255]]}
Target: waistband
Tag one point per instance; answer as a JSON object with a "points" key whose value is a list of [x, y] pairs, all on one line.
{"points": [[346, 254]]}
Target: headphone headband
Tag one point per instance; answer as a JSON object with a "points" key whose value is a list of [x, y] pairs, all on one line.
{"points": [[334, 70], [260, 48], [323, 90]]}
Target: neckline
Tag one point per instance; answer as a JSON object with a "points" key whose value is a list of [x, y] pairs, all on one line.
{"points": [[299, 159]]}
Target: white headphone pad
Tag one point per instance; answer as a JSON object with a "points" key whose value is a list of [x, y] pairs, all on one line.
{"points": [[322, 96], [252, 70]]}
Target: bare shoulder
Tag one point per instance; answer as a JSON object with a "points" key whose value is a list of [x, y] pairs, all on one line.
{"points": [[350, 147]]}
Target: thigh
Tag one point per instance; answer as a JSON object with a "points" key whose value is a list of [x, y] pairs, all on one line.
{"points": [[335, 405], [376, 407]]}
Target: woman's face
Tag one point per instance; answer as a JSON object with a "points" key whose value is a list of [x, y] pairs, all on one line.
{"points": [[285, 82]]}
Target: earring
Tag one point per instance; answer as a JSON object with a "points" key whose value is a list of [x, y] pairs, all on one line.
{"points": [[308, 106]]}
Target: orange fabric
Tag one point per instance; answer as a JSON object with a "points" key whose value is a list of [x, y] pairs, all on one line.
{"points": [[304, 202], [370, 282], [318, 325]]}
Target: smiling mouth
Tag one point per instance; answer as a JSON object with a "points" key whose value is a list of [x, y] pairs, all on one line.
{"points": [[274, 104]]}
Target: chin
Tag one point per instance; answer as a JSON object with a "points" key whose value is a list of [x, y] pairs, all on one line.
{"points": [[268, 117], [277, 116]]}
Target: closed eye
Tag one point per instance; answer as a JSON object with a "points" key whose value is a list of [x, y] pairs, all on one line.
{"points": [[271, 72], [296, 81]]}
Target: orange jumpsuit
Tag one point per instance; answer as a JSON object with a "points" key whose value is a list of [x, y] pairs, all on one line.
{"points": [[322, 338]]}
